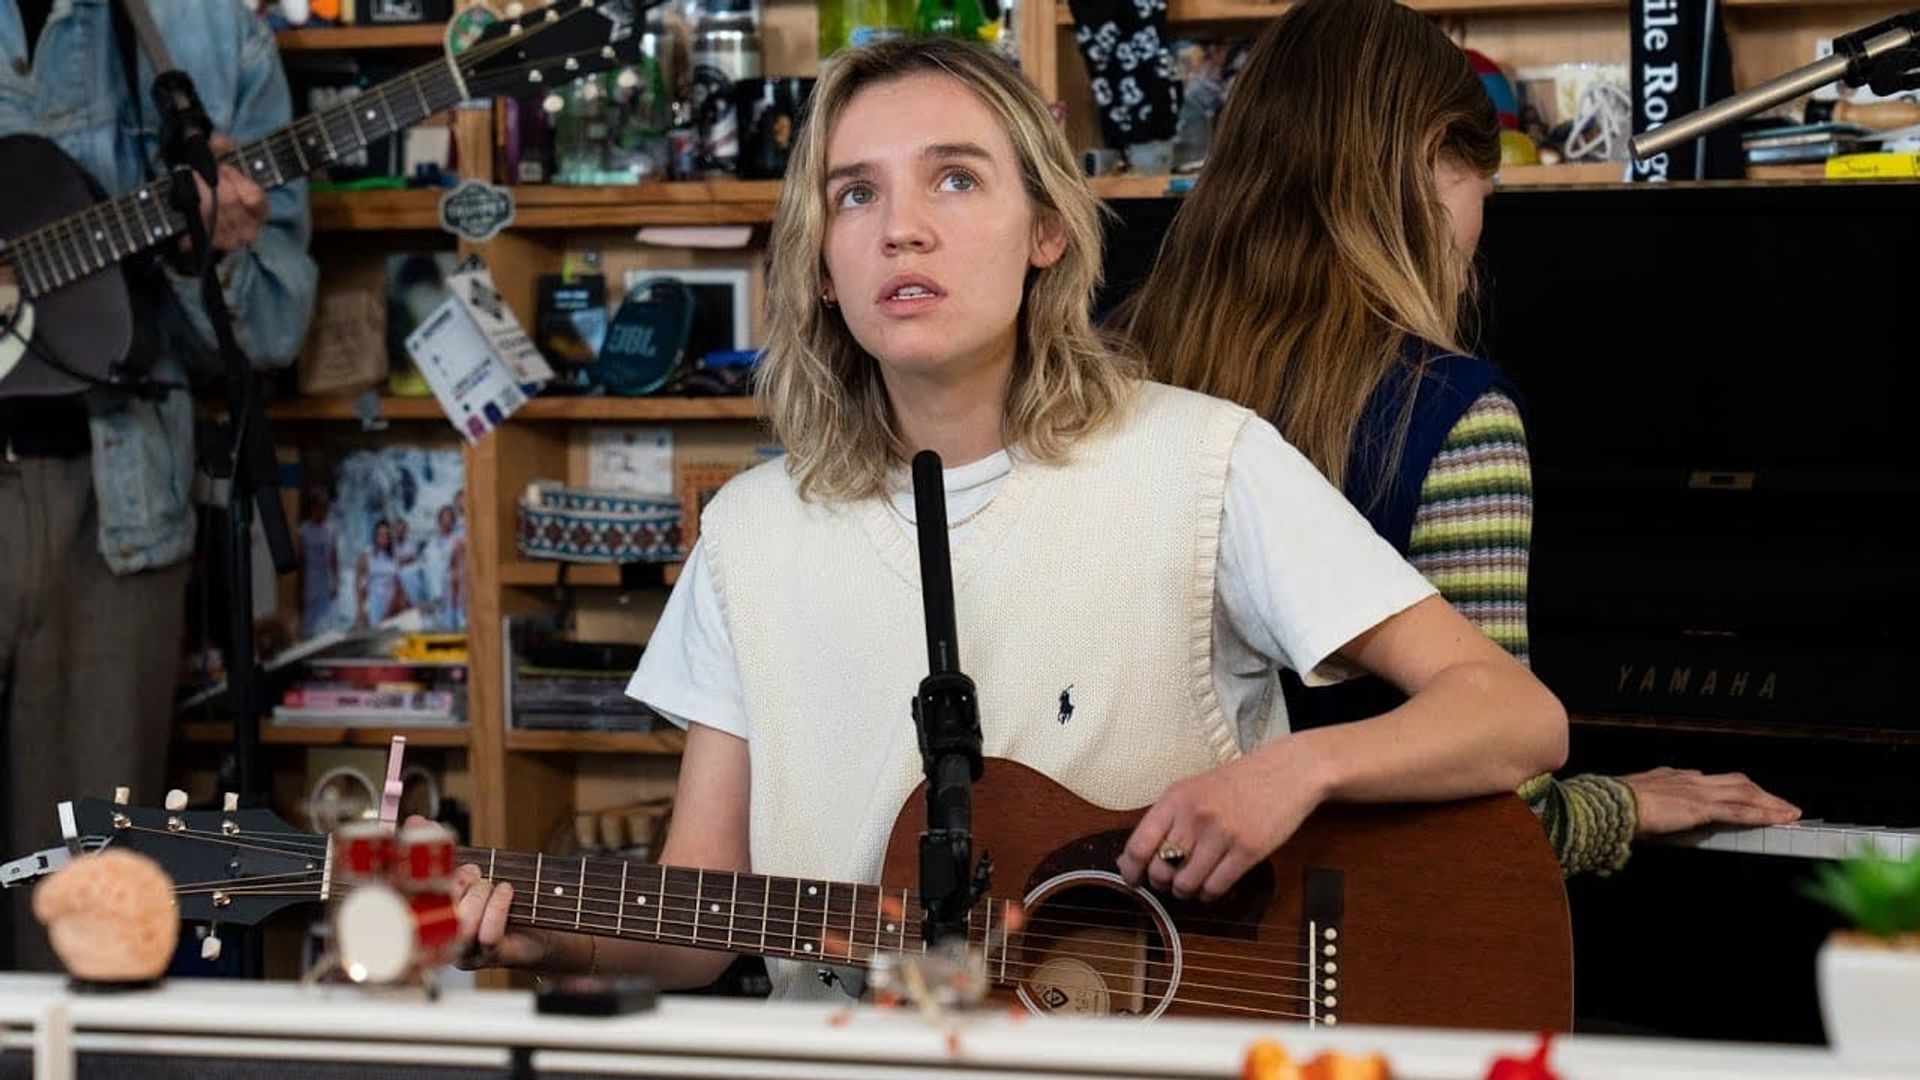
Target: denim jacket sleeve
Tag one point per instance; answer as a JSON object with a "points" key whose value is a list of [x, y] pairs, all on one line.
{"points": [[143, 450], [269, 287]]}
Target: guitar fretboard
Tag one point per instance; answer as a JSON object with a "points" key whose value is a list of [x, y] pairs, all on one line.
{"points": [[86, 243], [792, 918]]}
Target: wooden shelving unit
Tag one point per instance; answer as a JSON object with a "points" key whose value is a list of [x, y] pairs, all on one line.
{"points": [[350, 38], [220, 733], [596, 742]]}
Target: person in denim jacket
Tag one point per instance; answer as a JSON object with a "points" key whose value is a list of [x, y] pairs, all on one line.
{"points": [[96, 521]]}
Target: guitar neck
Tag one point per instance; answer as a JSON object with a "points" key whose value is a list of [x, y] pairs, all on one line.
{"points": [[832, 922], [77, 246]]}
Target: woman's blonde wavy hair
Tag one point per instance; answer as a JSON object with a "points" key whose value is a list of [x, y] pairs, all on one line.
{"points": [[1315, 243], [823, 394]]}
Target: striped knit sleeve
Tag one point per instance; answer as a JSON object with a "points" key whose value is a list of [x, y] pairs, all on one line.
{"points": [[1472, 537], [1473, 530]]}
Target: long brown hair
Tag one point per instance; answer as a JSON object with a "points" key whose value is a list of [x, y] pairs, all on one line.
{"points": [[823, 393], [1314, 242]]}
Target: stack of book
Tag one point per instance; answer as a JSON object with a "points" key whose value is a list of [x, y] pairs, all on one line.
{"points": [[340, 691]]}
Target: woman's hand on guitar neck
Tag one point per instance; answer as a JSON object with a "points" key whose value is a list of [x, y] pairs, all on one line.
{"points": [[485, 940], [1221, 823]]}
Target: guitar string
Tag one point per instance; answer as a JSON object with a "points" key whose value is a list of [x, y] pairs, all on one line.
{"points": [[556, 923], [852, 921], [600, 888], [601, 872], [1142, 982], [806, 926]]}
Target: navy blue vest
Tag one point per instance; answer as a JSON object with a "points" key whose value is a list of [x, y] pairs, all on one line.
{"points": [[1448, 385]]}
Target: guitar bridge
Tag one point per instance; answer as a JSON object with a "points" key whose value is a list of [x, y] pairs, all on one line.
{"points": [[1322, 906]]}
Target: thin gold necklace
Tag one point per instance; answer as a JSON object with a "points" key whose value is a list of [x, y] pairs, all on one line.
{"points": [[955, 523]]}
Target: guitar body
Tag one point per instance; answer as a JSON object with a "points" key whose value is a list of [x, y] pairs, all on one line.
{"points": [[88, 324], [1444, 914]]}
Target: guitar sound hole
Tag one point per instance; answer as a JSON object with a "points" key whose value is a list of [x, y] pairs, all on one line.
{"points": [[1092, 946]]}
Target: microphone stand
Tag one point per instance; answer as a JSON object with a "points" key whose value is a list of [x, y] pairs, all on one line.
{"points": [[946, 713], [241, 464], [1885, 56]]}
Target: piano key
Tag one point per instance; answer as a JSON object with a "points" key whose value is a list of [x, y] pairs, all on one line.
{"points": [[1808, 839]]}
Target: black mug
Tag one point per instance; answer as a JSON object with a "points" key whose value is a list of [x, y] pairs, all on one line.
{"points": [[769, 111]]}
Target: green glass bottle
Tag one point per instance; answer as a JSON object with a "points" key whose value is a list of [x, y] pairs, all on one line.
{"points": [[963, 19]]}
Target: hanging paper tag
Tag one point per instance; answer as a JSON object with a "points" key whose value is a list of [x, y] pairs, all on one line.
{"points": [[472, 286], [471, 382]]}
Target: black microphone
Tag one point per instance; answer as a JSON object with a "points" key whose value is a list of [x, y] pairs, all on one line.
{"points": [[946, 714]]}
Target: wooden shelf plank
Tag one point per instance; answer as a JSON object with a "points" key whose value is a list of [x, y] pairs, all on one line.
{"points": [[341, 408], [598, 742], [220, 733], [640, 408], [540, 408], [662, 202], [1584, 172], [1211, 11], [370, 211], [329, 38], [532, 573]]}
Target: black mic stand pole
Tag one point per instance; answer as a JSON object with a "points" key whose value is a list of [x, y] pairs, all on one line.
{"points": [[946, 713], [246, 468]]}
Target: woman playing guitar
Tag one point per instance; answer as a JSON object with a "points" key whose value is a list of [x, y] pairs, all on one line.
{"points": [[1161, 552]]}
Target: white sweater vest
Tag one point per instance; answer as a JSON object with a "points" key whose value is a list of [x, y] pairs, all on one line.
{"points": [[1093, 578]]}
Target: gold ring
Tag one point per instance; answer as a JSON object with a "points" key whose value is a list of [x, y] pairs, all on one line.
{"points": [[1172, 854]]}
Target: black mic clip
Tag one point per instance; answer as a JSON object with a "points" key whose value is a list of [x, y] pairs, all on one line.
{"points": [[947, 716], [1893, 71]]}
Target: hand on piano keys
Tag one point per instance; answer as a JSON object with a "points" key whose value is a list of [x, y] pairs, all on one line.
{"points": [[1675, 800], [1807, 839]]}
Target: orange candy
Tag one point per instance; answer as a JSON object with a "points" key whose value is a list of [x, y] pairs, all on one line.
{"points": [[1267, 1060]]}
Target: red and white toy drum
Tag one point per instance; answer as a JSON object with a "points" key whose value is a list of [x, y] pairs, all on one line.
{"points": [[425, 859], [374, 933], [425, 876], [363, 851]]}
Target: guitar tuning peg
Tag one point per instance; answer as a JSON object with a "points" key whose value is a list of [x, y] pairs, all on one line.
{"points": [[231, 803], [121, 795], [176, 800], [210, 947]]}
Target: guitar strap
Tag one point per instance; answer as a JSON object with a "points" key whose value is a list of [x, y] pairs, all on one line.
{"points": [[145, 283], [124, 44]]}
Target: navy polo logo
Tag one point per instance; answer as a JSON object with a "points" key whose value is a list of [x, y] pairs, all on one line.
{"points": [[1066, 704]]}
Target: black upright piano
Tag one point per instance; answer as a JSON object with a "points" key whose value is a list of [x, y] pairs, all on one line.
{"points": [[1723, 404], [1722, 389]]}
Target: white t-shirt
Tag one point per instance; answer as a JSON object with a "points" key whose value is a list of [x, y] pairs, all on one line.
{"points": [[1300, 573]]}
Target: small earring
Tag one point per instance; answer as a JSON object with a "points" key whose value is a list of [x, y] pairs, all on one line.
{"points": [[827, 299]]}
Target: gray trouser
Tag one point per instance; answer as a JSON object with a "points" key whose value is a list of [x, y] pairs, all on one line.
{"points": [[88, 663]]}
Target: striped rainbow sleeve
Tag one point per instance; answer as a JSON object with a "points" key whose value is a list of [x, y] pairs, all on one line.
{"points": [[1472, 537]]}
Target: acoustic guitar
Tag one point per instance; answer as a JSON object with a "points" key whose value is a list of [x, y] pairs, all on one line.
{"points": [[57, 240], [1445, 914]]}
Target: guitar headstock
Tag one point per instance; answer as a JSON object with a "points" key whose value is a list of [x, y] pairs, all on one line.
{"points": [[229, 866], [551, 45]]}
